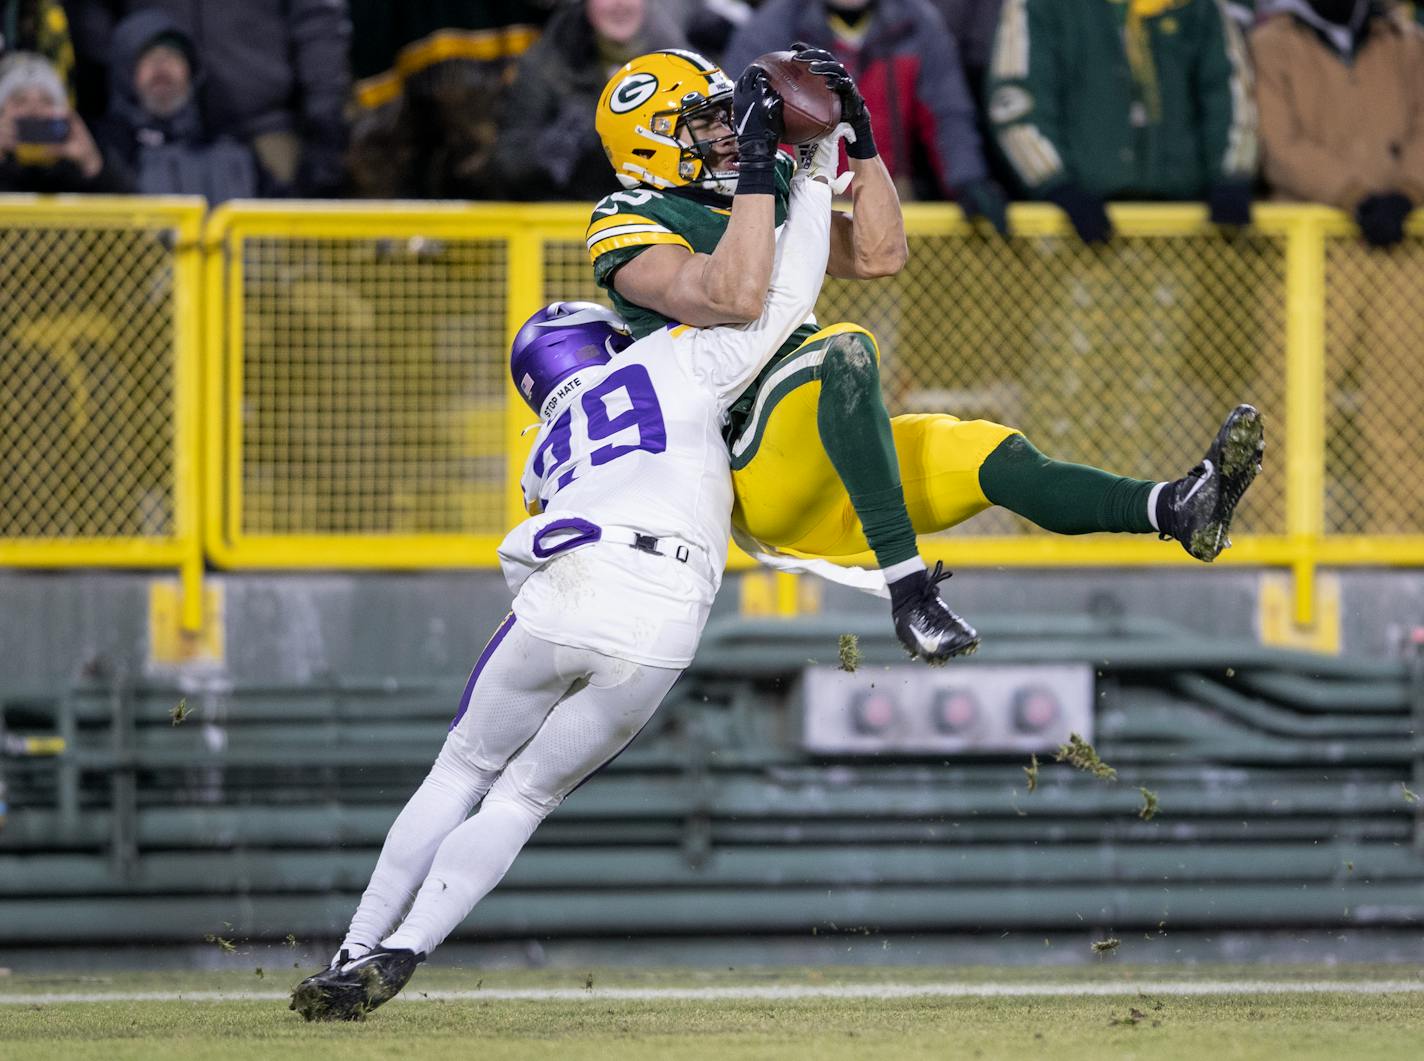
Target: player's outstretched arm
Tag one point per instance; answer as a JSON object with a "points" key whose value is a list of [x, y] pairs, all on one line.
{"points": [[871, 242], [730, 358], [729, 285]]}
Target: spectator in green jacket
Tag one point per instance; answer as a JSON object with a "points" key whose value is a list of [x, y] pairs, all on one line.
{"points": [[1093, 100]]}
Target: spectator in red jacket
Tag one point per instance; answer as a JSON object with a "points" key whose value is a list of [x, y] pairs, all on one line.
{"points": [[908, 68]]}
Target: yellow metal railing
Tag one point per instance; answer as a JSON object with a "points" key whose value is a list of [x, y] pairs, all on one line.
{"points": [[100, 311], [356, 411]]}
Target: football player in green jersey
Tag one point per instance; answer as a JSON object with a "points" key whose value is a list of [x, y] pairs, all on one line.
{"points": [[819, 467]]}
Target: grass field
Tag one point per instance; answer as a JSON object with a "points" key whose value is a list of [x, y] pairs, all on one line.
{"points": [[825, 1014]]}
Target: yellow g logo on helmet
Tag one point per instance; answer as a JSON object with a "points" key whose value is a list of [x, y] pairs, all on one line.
{"points": [[632, 92], [641, 108]]}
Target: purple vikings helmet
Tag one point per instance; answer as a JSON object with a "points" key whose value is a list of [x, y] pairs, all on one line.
{"points": [[560, 339]]}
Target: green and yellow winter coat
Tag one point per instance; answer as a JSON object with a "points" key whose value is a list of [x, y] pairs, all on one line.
{"points": [[1131, 99]]}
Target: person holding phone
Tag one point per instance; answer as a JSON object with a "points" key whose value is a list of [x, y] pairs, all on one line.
{"points": [[44, 145]]}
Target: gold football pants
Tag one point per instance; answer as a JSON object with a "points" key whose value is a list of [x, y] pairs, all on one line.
{"points": [[788, 493]]}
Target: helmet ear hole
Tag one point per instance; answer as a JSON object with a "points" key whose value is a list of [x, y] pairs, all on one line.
{"points": [[644, 152]]}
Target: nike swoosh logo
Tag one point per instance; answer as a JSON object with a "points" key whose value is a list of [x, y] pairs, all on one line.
{"points": [[925, 646], [745, 118], [1210, 470]]}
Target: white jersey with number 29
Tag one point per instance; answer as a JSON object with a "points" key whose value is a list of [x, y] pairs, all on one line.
{"points": [[634, 448]]}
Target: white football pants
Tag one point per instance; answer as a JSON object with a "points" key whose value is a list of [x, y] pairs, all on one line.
{"points": [[535, 720]]}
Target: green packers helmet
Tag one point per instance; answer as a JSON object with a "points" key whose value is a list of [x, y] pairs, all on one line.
{"points": [[640, 112]]}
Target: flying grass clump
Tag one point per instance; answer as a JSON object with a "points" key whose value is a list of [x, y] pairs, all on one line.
{"points": [[1106, 946], [227, 946], [1031, 773], [849, 652], [1081, 755], [1149, 807], [1410, 796], [179, 712]]}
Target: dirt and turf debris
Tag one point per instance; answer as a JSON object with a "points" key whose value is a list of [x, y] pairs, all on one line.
{"points": [[848, 651], [1410, 796], [180, 712], [1081, 755], [1150, 806], [227, 946], [1031, 773], [1106, 946]]}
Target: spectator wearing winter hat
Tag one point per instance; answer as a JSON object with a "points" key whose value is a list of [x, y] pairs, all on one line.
{"points": [[154, 129], [277, 75], [44, 145]]}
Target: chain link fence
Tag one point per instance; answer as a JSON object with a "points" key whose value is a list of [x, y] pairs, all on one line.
{"points": [[1374, 388], [372, 396]]}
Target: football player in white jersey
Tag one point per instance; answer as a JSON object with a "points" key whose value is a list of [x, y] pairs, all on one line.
{"points": [[613, 580]]}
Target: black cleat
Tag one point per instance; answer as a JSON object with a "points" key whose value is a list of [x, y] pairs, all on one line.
{"points": [[329, 995], [351, 990], [928, 629], [382, 973], [1204, 500]]}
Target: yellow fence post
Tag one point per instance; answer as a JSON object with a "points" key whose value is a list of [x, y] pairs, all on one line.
{"points": [[1305, 404], [187, 439]]}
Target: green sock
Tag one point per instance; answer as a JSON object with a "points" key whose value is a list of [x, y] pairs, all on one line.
{"points": [[855, 432], [1061, 497]]}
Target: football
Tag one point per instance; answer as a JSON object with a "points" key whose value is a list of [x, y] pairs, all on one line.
{"points": [[810, 108]]}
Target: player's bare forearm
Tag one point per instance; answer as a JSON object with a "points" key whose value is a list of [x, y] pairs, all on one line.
{"points": [[870, 243], [728, 286], [737, 274]]}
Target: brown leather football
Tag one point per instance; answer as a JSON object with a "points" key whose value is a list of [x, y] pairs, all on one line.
{"points": [[810, 108]]}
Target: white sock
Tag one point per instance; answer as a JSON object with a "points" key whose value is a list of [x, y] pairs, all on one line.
{"points": [[895, 572], [471, 861], [441, 803], [1152, 505]]}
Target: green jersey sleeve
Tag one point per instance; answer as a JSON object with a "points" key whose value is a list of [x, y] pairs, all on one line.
{"points": [[624, 225]]}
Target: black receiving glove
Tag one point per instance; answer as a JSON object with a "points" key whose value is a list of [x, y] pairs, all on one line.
{"points": [[1087, 213], [1229, 203], [757, 120], [853, 110], [1381, 218], [983, 198]]}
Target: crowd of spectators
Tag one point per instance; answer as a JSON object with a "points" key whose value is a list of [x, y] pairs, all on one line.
{"points": [[1076, 102]]}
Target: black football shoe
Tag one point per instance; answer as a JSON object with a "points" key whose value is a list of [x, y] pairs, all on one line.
{"points": [[351, 989], [382, 973], [330, 994], [928, 629], [1202, 502]]}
